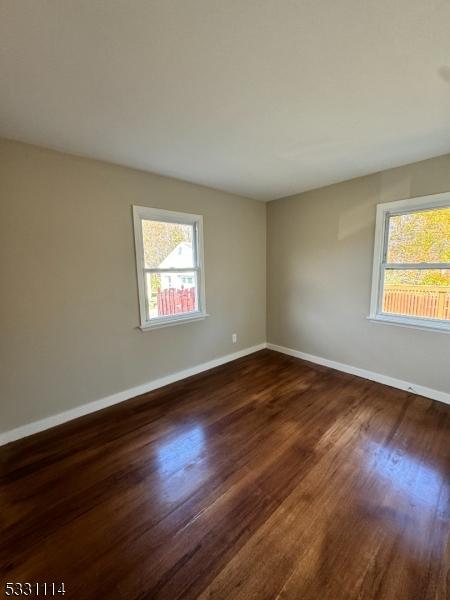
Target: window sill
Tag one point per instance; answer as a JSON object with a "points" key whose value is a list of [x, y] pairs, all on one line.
{"points": [[159, 323], [440, 326]]}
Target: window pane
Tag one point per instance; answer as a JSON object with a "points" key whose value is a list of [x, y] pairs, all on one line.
{"points": [[167, 245], [418, 293], [171, 293], [422, 236]]}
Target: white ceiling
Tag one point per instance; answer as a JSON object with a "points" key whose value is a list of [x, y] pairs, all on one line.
{"points": [[260, 97]]}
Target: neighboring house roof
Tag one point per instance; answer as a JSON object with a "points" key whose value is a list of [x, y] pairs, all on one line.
{"points": [[179, 258]]}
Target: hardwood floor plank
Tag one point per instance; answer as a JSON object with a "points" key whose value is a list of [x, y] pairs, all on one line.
{"points": [[268, 477]]}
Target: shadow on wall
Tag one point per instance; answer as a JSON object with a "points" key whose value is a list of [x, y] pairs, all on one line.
{"points": [[355, 220], [444, 73]]}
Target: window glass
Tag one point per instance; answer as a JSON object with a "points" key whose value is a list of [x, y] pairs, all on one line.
{"points": [[419, 237], [172, 293], [167, 245], [169, 265], [417, 293], [411, 274]]}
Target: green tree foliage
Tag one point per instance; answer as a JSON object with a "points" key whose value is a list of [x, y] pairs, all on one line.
{"points": [[423, 236], [161, 238]]}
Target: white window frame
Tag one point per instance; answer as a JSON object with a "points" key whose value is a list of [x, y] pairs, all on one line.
{"points": [[141, 213], [384, 212]]}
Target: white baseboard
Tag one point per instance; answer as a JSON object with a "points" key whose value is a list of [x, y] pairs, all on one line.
{"points": [[90, 407], [378, 377]]}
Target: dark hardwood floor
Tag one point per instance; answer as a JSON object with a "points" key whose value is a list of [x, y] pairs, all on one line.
{"points": [[268, 477]]}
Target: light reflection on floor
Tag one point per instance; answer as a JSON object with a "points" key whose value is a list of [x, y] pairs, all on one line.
{"points": [[182, 464], [420, 482]]}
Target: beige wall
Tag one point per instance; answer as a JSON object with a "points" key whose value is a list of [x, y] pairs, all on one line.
{"points": [[69, 306], [68, 302], [320, 247]]}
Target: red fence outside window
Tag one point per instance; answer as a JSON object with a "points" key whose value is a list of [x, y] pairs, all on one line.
{"points": [[173, 301]]}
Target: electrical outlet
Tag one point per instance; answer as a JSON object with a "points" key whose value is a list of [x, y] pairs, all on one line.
{"points": [[234, 338]]}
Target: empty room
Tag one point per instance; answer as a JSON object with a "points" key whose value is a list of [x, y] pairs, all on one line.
{"points": [[225, 299]]}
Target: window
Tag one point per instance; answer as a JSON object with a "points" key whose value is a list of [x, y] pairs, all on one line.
{"points": [[411, 270], [169, 260]]}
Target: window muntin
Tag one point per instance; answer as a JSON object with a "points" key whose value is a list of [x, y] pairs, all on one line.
{"points": [[169, 261], [411, 276]]}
